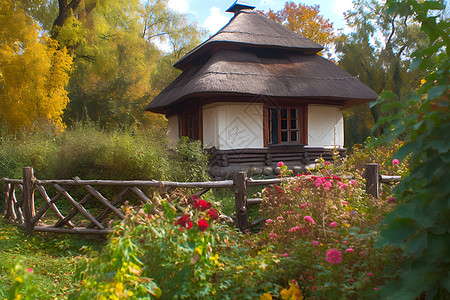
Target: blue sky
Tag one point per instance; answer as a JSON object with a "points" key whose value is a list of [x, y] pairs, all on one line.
{"points": [[210, 14]]}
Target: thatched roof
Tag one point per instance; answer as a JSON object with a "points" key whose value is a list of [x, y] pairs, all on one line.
{"points": [[248, 28], [254, 56]]}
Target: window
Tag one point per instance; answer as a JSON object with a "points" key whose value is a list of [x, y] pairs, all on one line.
{"points": [[284, 125], [191, 125]]}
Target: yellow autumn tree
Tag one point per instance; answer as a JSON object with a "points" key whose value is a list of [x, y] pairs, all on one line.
{"points": [[33, 72]]}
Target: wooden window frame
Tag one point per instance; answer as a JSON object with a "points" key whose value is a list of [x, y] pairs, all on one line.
{"points": [[185, 124], [302, 124]]}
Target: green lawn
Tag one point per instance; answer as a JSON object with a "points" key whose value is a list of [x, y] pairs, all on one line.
{"points": [[51, 257]]}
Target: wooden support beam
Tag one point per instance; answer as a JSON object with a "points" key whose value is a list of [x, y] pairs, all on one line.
{"points": [[115, 202], [73, 212], [50, 204], [143, 198], [79, 207], [105, 201], [5, 199], [372, 180], [28, 198], [240, 198]]}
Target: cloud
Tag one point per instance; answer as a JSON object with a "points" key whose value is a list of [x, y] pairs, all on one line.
{"points": [[216, 20], [342, 6], [180, 6]]}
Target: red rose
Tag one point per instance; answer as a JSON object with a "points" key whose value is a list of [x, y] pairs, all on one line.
{"points": [[213, 214], [184, 221], [202, 225], [201, 205]]}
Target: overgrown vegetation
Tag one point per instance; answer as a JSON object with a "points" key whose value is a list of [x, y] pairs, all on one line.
{"points": [[91, 153]]}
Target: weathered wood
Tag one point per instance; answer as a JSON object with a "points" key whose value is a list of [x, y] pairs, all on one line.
{"points": [[253, 182], [116, 201], [28, 198], [75, 230], [204, 191], [79, 207], [254, 201], [389, 179], [240, 197], [153, 183], [372, 183], [73, 212], [143, 197], [105, 201], [11, 181], [5, 199], [49, 204], [10, 213]]}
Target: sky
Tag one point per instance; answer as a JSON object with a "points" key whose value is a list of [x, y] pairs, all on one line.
{"points": [[211, 15]]}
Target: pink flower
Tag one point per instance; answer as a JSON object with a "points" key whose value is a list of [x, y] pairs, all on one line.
{"points": [[333, 224], [376, 289], [280, 218], [273, 235], [314, 288], [327, 163], [342, 186], [30, 270], [395, 162], [349, 250], [309, 219], [352, 182], [315, 243], [334, 256], [303, 205], [369, 274], [296, 228], [391, 200], [351, 280], [310, 277], [344, 242], [268, 221], [289, 212], [344, 202], [362, 252], [284, 254], [280, 164]]}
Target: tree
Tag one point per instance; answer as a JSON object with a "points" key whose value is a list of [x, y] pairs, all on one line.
{"points": [[306, 21], [420, 224], [33, 71], [378, 52]]}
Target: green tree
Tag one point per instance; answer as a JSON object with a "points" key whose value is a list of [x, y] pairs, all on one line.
{"points": [[378, 52], [421, 223]]}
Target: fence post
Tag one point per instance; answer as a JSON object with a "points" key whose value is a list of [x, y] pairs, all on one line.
{"points": [[372, 180], [5, 199], [240, 197], [28, 198]]}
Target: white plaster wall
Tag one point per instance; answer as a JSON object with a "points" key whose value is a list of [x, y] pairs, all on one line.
{"points": [[210, 127], [325, 126], [172, 131], [233, 125]]}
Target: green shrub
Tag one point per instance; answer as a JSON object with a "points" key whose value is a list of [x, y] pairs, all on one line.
{"points": [[184, 252], [189, 161]]}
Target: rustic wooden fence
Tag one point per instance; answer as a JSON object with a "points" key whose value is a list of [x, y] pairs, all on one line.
{"points": [[21, 208]]}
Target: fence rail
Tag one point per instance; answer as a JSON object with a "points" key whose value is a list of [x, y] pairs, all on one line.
{"points": [[18, 203]]}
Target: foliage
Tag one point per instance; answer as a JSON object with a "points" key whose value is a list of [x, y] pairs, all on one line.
{"points": [[306, 21], [91, 153], [323, 226], [33, 72], [420, 224], [190, 160], [38, 267], [183, 252], [378, 52]]}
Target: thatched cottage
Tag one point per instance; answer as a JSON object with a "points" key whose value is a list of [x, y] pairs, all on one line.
{"points": [[256, 93]]}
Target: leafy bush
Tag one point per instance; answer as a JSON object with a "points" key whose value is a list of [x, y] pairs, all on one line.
{"points": [[184, 252], [189, 161]]}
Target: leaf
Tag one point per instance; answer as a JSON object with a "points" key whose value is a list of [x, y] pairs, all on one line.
{"points": [[399, 230], [437, 92]]}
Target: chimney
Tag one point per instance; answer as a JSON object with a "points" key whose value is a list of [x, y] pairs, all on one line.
{"points": [[238, 6]]}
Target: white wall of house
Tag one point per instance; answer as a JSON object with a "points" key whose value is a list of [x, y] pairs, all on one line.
{"points": [[233, 125], [325, 126], [172, 131]]}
